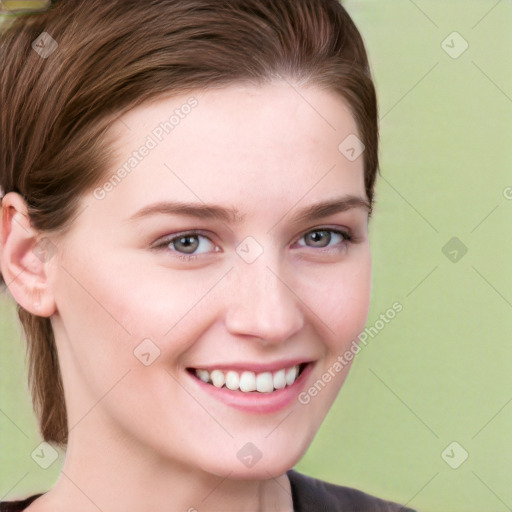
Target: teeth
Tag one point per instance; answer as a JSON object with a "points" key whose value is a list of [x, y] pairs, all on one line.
{"points": [[264, 382], [203, 375], [248, 382], [280, 379], [291, 375], [232, 380], [218, 378]]}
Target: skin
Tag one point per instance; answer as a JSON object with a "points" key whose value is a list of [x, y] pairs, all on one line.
{"points": [[143, 437]]}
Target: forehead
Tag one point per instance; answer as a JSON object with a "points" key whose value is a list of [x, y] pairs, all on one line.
{"points": [[235, 145]]}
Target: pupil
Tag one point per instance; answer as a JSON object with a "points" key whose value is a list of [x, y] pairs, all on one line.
{"points": [[317, 236], [189, 243]]}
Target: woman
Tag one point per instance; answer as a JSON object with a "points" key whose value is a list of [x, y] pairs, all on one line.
{"points": [[187, 186]]}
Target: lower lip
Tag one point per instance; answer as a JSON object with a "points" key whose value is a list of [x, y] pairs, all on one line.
{"points": [[255, 401]]}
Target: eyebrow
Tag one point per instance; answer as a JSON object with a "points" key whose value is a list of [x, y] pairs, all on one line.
{"points": [[233, 216]]}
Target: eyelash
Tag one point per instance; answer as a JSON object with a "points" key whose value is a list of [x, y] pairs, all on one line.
{"points": [[164, 245]]}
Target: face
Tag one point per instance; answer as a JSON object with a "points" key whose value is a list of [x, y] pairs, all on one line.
{"points": [[247, 281]]}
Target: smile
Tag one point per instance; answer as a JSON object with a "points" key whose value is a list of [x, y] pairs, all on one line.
{"points": [[261, 390], [248, 381]]}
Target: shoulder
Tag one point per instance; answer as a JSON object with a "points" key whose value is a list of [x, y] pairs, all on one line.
{"points": [[310, 495], [17, 506]]}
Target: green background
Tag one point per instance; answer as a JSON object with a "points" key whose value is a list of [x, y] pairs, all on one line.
{"points": [[440, 371]]}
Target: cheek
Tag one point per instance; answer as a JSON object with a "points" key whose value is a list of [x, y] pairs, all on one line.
{"points": [[111, 310], [341, 300], [342, 303]]}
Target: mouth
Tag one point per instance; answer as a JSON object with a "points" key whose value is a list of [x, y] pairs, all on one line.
{"points": [[247, 381], [267, 390]]}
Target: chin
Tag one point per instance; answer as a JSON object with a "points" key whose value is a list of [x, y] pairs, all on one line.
{"points": [[260, 471], [259, 461]]}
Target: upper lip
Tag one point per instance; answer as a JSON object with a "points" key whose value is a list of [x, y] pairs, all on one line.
{"points": [[254, 367]]}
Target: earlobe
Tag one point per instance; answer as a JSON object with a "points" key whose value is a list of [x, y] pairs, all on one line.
{"points": [[24, 258]]}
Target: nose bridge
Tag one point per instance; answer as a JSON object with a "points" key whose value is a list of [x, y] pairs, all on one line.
{"points": [[262, 304]]}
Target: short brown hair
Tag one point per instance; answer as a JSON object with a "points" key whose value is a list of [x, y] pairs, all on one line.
{"points": [[114, 55]]}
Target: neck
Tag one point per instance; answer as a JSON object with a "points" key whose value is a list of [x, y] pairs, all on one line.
{"points": [[112, 473]]}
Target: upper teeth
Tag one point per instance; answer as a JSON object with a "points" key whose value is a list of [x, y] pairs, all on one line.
{"points": [[246, 381]]}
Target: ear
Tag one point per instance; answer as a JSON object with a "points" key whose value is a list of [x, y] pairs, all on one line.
{"points": [[25, 257]]}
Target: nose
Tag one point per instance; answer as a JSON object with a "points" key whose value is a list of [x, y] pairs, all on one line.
{"points": [[262, 303]]}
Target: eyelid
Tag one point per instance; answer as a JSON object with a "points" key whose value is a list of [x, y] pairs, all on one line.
{"points": [[345, 232], [164, 241]]}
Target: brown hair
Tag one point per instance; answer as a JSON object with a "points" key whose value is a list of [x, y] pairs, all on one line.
{"points": [[112, 56]]}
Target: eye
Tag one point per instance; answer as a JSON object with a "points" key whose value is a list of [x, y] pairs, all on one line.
{"points": [[322, 237], [188, 245]]}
